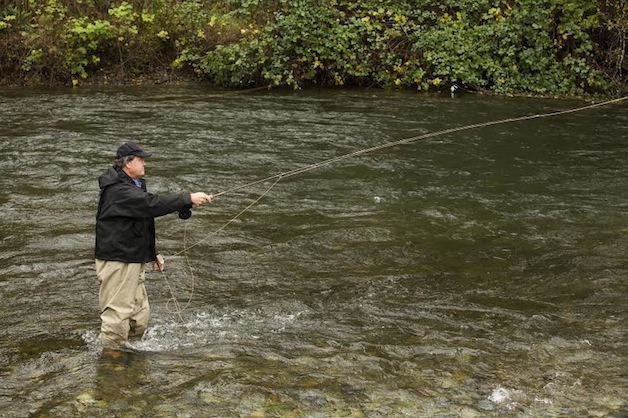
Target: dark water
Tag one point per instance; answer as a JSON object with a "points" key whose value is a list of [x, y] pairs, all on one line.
{"points": [[481, 273]]}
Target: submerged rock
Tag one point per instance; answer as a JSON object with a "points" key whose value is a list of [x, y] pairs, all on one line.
{"points": [[86, 398]]}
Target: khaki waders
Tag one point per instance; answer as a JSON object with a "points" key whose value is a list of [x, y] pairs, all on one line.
{"points": [[124, 308]]}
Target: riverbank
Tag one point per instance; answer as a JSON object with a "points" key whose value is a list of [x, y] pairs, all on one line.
{"points": [[164, 75], [174, 79]]}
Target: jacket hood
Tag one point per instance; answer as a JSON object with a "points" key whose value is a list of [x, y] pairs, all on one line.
{"points": [[109, 177]]}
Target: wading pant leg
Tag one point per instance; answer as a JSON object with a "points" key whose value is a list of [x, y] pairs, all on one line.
{"points": [[118, 299], [139, 319]]}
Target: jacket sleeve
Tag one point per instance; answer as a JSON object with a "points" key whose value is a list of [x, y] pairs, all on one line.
{"points": [[133, 202]]}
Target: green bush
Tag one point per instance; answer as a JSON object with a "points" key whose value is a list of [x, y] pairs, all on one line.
{"points": [[536, 46], [540, 46]]}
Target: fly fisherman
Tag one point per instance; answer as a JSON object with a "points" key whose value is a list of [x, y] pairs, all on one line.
{"points": [[125, 242]]}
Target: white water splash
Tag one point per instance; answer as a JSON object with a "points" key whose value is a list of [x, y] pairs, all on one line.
{"points": [[204, 329], [499, 395], [509, 398]]}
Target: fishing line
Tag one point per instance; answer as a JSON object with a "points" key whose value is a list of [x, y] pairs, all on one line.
{"points": [[173, 299], [296, 171], [279, 177], [178, 310]]}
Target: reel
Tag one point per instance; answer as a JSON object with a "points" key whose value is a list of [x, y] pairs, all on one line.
{"points": [[186, 212]]}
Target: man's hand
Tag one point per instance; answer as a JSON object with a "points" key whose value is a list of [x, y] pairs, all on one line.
{"points": [[158, 264], [200, 198]]}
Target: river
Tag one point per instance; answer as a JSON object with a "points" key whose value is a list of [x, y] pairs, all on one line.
{"points": [[478, 273]]}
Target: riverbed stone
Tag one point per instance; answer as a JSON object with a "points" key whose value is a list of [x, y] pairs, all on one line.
{"points": [[86, 398]]}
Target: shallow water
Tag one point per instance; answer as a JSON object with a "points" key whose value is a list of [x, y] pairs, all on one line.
{"points": [[481, 273]]}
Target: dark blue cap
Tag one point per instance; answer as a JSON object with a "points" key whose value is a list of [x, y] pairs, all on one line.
{"points": [[132, 148]]}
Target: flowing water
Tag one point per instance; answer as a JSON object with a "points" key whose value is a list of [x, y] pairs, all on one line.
{"points": [[481, 273]]}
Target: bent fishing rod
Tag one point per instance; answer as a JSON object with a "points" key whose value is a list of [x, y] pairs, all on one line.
{"points": [[409, 140]]}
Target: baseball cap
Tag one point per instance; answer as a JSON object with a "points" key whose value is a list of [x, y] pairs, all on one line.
{"points": [[132, 148]]}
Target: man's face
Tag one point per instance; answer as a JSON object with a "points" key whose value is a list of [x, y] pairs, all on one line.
{"points": [[135, 167]]}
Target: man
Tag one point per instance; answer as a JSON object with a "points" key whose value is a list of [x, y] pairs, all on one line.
{"points": [[125, 242]]}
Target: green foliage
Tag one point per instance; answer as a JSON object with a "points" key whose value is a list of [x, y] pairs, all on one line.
{"points": [[33, 58], [82, 40], [313, 42], [537, 46]]}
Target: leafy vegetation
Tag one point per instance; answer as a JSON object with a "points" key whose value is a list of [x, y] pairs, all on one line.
{"points": [[509, 46]]}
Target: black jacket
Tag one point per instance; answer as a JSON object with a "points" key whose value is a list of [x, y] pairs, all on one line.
{"points": [[125, 224]]}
